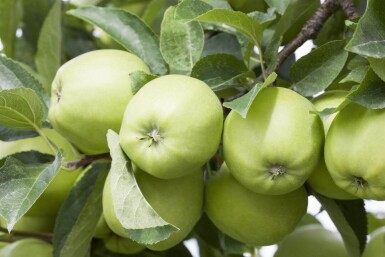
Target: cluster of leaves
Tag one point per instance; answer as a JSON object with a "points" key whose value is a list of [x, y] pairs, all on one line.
{"points": [[229, 50]]}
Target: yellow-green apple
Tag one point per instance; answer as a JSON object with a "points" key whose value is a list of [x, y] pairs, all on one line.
{"points": [[376, 244], [27, 247]]}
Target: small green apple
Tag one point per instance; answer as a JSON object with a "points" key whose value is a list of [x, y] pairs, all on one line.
{"points": [[354, 151], [277, 146], [33, 224], [249, 217], [311, 241], [320, 180], [49, 202], [376, 244], [102, 229], [172, 126], [89, 96], [178, 201], [27, 247], [121, 245]]}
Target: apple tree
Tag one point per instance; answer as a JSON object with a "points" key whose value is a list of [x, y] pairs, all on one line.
{"points": [[156, 128]]}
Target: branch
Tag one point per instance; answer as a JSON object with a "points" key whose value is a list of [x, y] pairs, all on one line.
{"points": [[349, 9], [87, 159], [40, 235]]}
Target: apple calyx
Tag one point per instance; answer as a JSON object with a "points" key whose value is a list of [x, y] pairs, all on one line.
{"points": [[154, 137], [277, 171], [359, 182]]}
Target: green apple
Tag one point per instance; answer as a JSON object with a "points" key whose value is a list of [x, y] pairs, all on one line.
{"points": [[312, 240], [277, 146], [121, 245], [320, 179], [354, 151], [172, 126], [89, 96], [178, 201], [27, 247], [102, 229], [49, 202], [249, 217], [376, 244], [33, 224]]}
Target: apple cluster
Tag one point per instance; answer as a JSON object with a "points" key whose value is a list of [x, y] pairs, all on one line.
{"points": [[173, 126]]}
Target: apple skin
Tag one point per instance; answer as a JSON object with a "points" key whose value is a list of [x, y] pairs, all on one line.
{"points": [[354, 151], [48, 204], [33, 224], [121, 245], [172, 126], [320, 180], [89, 96], [27, 247], [249, 217], [376, 244], [277, 146], [178, 201], [311, 240]]}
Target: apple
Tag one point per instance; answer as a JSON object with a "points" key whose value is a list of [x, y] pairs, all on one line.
{"points": [[49, 202], [178, 201], [172, 126], [320, 179], [102, 229], [312, 240], [249, 217], [33, 224], [89, 96], [27, 247], [121, 245], [354, 151], [376, 244], [277, 146]]}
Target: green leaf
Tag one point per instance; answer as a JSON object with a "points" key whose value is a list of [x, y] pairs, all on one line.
{"points": [[264, 18], [9, 19], [139, 79], [356, 75], [371, 92], [238, 20], [21, 109], [369, 36], [222, 43], [279, 5], [80, 213], [13, 75], [349, 217], [242, 104], [221, 71], [48, 55], [378, 66], [189, 9], [21, 185], [129, 31], [181, 43], [316, 71], [142, 224]]}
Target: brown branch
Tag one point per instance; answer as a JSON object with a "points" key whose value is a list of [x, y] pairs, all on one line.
{"points": [[40, 235], [87, 159], [349, 9]]}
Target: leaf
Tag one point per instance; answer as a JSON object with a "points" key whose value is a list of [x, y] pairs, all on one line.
{"points": [[378, 67], [264, 18], [129, 31], [80, 213], [21, 109], [9, 19], [222, 43], [142, 224], [349, 217], [238, 20], [189, 9], [181, 43], [371, 92], [221, 71], [21, 185], [13, 75], [369, 37], [242, 104], [139, 79], [48, 55], [316, 71], [356, 75], [279, 5]]}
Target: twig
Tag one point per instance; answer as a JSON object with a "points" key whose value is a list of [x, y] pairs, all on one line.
{"points": [[40, 235], [349, 9], [87, 159]]}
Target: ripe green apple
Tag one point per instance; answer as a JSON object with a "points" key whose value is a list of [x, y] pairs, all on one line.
{"points": [[172, 126], [354, 151], [121, 245], [33, 224], [277, 146], [376, 244], [89, 96], [178, 201], [249, 217], [102, 229], [27, 247], [320, 179], [312, 240], [49, 202]]}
